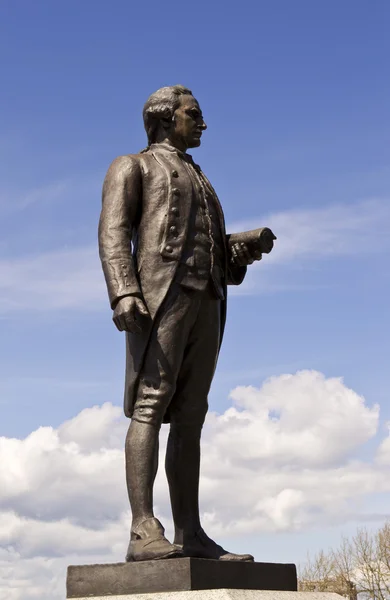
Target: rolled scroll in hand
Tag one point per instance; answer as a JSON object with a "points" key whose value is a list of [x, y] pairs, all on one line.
{"points": [[256, 240]]}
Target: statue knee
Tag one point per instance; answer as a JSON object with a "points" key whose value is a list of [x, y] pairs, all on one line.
{"points": [[152, 401]]}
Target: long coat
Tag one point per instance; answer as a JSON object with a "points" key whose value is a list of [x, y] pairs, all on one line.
{"points": [[143, 228]]}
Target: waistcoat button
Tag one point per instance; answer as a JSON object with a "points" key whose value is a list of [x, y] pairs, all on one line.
{"points": [[175, 211], [175, 174], [169, 249]]}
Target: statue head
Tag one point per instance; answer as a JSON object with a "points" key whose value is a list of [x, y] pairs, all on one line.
{"points": [[173, 114]]}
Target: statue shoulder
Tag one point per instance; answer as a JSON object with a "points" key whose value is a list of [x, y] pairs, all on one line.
{"points": [[124, 167]]}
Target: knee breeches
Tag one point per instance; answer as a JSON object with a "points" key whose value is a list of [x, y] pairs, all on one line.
{"points": [[180, 358]]}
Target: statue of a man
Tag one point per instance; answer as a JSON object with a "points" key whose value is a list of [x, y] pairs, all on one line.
{"points": [[167, 261]]}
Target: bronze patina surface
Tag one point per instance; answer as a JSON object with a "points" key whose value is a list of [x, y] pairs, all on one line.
{"points": [[167, 261]]}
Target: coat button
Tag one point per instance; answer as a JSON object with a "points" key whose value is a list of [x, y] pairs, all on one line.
{"points": [[175, 174], [176, 192], [169, 249], [175, 211], [173, 230]]}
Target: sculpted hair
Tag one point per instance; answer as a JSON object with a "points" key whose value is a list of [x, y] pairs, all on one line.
{"points": [[161, 105]]}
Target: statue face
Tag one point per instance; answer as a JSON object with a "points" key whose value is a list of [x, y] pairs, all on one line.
{"points": [[188, 124]]}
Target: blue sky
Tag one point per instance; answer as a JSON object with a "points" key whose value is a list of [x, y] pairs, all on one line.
{"points": [[295, 95]]}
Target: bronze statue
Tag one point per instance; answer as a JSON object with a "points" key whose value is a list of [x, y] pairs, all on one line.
{"points": [[167, 261]]}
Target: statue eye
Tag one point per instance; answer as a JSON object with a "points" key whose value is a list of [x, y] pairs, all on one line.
{"points": [[195, 114]]}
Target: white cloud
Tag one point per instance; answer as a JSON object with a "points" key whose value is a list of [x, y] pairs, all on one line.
{"points": [[17, 199], [383, 454], [38, 578], [14, 201], [45, 194], [73, 279], [67, 279], [334, 230], [305, 236], [282, 458], [289, 418]]}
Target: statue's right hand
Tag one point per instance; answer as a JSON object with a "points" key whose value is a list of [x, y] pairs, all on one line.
{"points": [[127, 314]]}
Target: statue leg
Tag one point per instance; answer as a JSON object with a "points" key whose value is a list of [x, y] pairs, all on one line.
{"points": [[157, 385], [187, 413], [182, 467], [147, 539], [141, 453]]}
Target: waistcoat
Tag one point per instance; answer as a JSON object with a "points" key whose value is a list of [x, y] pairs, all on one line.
{"points": [[203, 253]]}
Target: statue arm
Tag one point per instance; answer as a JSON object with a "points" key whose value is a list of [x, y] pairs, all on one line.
{"points": [[246, 247], [122, 193], [235, 273]]}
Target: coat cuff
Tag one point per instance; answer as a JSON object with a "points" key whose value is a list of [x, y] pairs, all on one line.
{"points": [[121, 280], [235, 275]]}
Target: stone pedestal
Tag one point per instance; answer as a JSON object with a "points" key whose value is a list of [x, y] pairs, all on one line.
{"points": [[177, 575], [225, 595]]}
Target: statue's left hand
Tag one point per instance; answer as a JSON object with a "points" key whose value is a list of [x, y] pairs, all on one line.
{"points": [[127, 312], [241, 255]]}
